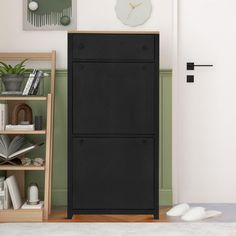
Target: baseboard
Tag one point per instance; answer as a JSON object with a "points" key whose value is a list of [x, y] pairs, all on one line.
{"points": [[165, 197]]}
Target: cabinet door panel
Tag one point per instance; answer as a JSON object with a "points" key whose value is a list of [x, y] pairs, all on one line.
{"points": [[104, 47], [113, 173], [113, 98]]}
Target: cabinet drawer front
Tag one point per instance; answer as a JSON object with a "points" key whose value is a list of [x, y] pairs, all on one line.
{"points": [[113, 173], [116, 47], [115, 98]]}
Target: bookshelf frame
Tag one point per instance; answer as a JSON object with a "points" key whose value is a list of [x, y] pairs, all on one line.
{"points": [[33, 215]]}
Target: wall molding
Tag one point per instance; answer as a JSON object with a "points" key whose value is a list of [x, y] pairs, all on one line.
{"points": [[63, 72]]}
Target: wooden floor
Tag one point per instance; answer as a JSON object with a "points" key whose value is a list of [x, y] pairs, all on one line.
{"points": [[228, 215], [59, 215]]}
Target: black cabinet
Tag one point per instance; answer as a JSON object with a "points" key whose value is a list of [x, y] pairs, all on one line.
{"points": [[113, 90], [113, 173], [110, 47], [113, 98]]}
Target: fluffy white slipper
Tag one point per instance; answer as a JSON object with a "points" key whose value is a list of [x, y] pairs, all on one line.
{"points": [[178, 210], [210, 214], [199, 213]]}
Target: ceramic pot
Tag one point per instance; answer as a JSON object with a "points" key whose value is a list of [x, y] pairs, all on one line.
{"points": [[12, 82]]}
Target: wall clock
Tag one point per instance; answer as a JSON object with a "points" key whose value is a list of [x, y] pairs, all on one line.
{"points": [[133, 12]]}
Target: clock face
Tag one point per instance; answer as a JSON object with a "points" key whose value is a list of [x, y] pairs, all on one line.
{"points": [[133, 12]]}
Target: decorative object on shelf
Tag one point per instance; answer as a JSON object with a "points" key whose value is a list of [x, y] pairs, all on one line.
{"points": [[33, 5], [15, 148], [33, 194], [38, 121], [38, 161], [3, 115], [26, 161], [50, 15], [17, 109], [133, 12], [37, 206], [12, 77]]}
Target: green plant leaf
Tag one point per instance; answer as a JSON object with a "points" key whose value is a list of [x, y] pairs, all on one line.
{"points": [[21, 64], [4, 65], [18, 69]]}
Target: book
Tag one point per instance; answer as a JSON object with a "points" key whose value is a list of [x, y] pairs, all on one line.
{"points": [[7, 198], [29, 83], [35, 85], [14, 192], [38, 206], [12, 93], [3, 116], [19, 145], [20, 127]]}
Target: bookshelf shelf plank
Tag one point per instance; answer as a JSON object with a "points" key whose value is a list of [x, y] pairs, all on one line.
{"points": [[23, 98], [31, 167], [34, 56], [21, 215], [23, 132]]}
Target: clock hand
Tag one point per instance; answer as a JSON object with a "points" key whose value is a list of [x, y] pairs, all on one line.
{"points": [[130, 13], [138, 5], [132, 6]]}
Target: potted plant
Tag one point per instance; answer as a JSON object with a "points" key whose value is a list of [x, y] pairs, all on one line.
{"points": [[12, 77]]}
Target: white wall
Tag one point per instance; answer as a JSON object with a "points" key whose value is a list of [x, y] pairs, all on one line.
{"points": [[92, 15]]}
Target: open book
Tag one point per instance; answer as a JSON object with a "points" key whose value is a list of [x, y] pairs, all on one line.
{"points": [[19, 145]]}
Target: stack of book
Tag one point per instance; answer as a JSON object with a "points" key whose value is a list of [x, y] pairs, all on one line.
{"points": [[12, 196], [32, 84]]}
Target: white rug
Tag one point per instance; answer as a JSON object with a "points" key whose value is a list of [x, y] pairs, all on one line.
{"points": [[118, 229]]}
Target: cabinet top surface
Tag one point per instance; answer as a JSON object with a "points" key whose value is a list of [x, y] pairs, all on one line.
{"points": [[113, 32]]}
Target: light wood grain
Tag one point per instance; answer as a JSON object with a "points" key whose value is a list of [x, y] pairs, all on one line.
{"points": [[23, 98], [23, 132], [112, 32], [31, 167], [21, 215], [53, 81], [59, 215], [47, 184], [33, 56]]}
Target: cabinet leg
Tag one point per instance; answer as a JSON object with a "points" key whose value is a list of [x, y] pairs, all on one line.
{"points": [[69, 216], [156, 216]]}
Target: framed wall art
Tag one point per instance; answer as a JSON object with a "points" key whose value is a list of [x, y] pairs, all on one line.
{"points": [[49, 14]]}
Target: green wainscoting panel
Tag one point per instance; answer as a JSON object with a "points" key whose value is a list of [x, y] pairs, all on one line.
{"points": [[165, 137], [59, 185]]}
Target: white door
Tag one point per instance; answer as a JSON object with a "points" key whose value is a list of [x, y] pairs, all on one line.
{"points": [[204, 120]]}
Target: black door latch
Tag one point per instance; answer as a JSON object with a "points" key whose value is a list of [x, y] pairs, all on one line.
{"points": [[191, 65]]}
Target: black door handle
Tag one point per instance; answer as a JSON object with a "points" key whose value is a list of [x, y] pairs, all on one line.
{"points": [[191, 65]]}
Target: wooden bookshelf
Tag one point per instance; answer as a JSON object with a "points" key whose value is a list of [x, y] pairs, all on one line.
{"points": [[23, 132], [23, 98], [32, 215], [30, 167]]}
